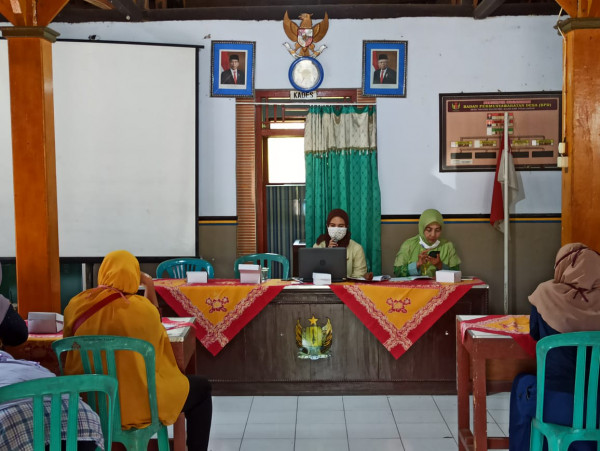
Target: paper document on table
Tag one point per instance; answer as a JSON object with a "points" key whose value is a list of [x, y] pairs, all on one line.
{"points": [[408, 278], [375, 278]]}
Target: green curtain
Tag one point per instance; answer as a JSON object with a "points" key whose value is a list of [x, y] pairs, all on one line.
{"points": [[340, 147]]}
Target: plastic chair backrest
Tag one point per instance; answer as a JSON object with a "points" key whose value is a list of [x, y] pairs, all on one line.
{"points": [[264, 260], [585, 402], [52, 390], [97, 353], [177, 268]]}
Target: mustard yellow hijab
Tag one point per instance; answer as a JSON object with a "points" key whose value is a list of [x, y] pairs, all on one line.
{"points": [[130, 315]]}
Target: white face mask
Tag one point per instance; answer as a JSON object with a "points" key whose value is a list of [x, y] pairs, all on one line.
{"points": [[428, 246], [337, 233]]}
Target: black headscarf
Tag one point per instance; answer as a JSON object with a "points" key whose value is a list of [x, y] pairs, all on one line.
{"points": [[336, 212]]}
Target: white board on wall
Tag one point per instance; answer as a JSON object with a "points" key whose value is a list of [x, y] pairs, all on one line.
{"points": [[126, 149]]}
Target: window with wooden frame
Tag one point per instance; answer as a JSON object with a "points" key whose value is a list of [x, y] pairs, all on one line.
{"points": [[272, 114]]}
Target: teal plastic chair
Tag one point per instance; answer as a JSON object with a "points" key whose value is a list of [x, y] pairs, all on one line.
{"points": [[264, 260], [585, 407], [177, 268], [52, 390], [97, 354]]}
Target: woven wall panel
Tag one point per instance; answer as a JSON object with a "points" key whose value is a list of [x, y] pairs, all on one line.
{"points": [[245, 177]]}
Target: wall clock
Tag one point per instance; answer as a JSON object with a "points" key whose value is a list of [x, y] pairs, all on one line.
{"points": [[306, 74]]}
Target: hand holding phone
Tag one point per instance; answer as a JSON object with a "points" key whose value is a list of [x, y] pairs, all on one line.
{"points": [[434, 254]]}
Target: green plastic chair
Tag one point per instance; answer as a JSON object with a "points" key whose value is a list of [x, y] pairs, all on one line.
{"points": [[177, 268], [97, 354], [52, 389], [560, 437], [264, 260]]}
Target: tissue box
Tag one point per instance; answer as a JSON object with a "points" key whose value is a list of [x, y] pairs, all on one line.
{"points": [[446, 275], [44, 322], [249, 273], [197, 277], [321, 278]]}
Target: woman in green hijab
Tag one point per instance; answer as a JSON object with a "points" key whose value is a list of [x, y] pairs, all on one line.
{"points": [[424, 254]]}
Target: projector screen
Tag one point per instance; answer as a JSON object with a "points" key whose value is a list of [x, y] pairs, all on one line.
{"points": [[126, 149]]}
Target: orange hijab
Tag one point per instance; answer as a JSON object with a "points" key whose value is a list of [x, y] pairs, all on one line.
{"points": [[130, 315], [571, 301]]}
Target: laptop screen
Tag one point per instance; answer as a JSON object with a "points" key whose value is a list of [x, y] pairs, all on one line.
{"points": [[322, 259]]}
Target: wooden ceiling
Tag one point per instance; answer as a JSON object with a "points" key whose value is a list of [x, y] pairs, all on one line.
{"points": [[161, 10]]}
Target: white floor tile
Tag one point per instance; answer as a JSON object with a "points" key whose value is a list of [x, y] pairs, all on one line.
{"points": [[366, 402], [372, 431], [418, 416], [369, 417], [272, 417], [235, 430], [429, 444], [224, 444], [230, 417], [498, 401], [267, 445], [322, 444], [321, 416], [376, 444], [499, 415], [266, 430], [493, 430], [504, 428], [270, 403], [445, 401], [424, 430], [312, 403], [412, 402], [305, 430], [344, 423], [229, 403]]}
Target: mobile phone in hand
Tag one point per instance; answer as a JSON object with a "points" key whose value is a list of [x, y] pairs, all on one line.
{"points": [[434, 254]]}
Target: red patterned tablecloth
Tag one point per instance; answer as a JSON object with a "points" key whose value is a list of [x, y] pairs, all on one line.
{"points": [[399, 313], [221, 307], [515, 326]]}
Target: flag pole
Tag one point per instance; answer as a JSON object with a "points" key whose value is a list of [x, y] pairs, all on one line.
{"points": [[506, 212]]}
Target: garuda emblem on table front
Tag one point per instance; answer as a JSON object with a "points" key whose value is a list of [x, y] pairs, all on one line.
{"points": [[314, 342], [305, 35]]}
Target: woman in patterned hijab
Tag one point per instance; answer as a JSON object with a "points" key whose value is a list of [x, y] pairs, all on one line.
{"points": [[570, 302]]}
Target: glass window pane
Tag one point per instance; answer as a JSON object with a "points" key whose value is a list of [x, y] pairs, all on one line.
{"points": [[287, 125], [286, 160]]}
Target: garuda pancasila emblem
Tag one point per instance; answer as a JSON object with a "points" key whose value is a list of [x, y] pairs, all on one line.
{"points": [[314, 342], [305, 35]]}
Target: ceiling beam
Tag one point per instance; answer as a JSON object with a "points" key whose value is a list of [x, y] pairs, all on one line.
{"points": [[73, 14], [132, 12], [486, 8]]}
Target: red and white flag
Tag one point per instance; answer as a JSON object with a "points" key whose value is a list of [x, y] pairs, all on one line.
{"points": [[514, 193]]}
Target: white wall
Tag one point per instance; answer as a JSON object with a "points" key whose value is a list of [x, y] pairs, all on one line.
{"points": [[444, 55]]}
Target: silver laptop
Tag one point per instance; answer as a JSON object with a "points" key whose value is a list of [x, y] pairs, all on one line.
{"points": [[322, 259]]}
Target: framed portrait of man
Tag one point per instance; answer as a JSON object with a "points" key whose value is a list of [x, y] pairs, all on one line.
{"points": [[232, 69], [384, 68]]}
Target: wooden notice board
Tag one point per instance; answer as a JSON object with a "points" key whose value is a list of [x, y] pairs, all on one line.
{"points": [[472, 128]]}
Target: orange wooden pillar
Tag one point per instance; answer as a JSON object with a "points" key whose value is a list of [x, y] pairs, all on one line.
{"points": [[581, 123], [34, 169]]}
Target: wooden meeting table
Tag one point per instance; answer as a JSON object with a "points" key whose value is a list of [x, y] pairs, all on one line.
{"points": [[485, 363], [262, 359]]}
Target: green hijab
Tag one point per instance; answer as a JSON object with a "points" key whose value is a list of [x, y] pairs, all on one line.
{"points": [[427, 217]]}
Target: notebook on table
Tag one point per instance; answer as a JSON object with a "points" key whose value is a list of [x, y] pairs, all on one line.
{"points": [[324, 260]]}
